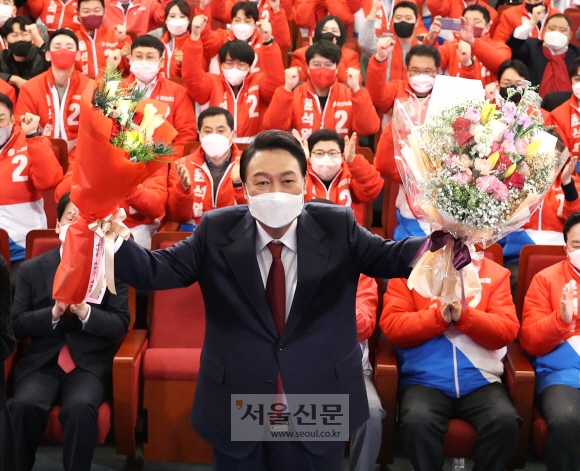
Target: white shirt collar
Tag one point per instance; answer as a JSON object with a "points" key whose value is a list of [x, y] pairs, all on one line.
{"points": [[288, 239], [150, 87]]}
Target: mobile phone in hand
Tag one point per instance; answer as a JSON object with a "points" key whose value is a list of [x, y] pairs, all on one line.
{"points": [[453, 24]]}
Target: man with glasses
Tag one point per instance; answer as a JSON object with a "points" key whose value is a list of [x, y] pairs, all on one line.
{"points": [[511, 74], [337, 173], [321, 102], [548, 58], [473, 54]]}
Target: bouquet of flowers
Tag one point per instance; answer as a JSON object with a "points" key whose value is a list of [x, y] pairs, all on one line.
{"points": [[475, 172], [123, 139]]}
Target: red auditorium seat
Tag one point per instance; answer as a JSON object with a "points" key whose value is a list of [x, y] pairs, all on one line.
{"points": [[60, 149], [389, 216], [573, 14], [5, 246]]}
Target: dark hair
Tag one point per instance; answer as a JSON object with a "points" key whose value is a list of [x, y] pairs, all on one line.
{"points": [[515, 64], [215, 111], [8, 102], [102, 2], [325, 49], [573, 69], [405, 4], [183, 8], [250, 9], [424, 50], [148, 41], [18, 19], [326, 135], [559, 15], [238, 50], [572, 220], [64, 32], [475, 7], [322, 23], [62, 204], [273, 140]]}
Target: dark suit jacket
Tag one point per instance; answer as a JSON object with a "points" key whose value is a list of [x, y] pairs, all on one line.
{"points": [[318, 352], [7, 341], [93, 348], [530, 52]]}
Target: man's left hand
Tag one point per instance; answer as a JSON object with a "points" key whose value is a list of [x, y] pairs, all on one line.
{"points": [[353, 79], [464, 51], [81, 310], [121, 31], [350, 148], [455, 310], [29, 123], [265, 30]]}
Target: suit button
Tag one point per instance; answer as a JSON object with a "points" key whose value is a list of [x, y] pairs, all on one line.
{"points": [[270, 382], [280, 347]]}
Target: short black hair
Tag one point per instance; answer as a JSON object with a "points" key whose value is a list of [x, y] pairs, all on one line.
{"points": [[322, 23], [424, 50], [64, 32], [215, 111], [62, 204], [183, 8], [406, 4], [517, 65], [18, 19], [326, 49], [238, 50], [102, 2], [572, 220], [573, 69], [273, 140], [559, 15], [325, 135], [475, 7], [148, 41], [250, 9], [7, 102]]}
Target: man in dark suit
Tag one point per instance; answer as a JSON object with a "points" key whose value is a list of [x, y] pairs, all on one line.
{"points": [[69, 360], [270, 330]]}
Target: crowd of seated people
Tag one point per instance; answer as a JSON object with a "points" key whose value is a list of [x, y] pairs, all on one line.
{"points": [[330, 72]]}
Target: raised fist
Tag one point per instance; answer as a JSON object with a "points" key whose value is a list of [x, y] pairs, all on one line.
{"points": [[265, 30], [385, 47], [121, 31], [197, 25], [353, 79], [29, 123], [292, 77]]}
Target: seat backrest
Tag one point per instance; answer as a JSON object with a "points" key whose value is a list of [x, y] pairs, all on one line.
{"points": [[176, 316], [50, 207], [39, 241], [389, 216], [573, 14], [494, 253], [60, 149], [5, 246], [533, 259]]}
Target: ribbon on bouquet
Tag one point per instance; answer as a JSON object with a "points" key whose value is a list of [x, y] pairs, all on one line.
{"points": [[103, 269]]}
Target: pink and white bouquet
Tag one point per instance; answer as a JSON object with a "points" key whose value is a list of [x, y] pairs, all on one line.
{"points": [[474, 172]]}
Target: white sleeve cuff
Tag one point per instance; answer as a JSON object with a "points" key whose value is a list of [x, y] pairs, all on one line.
{"points": [[54, 323], [118, 243], [523, 31], [84, 323]]}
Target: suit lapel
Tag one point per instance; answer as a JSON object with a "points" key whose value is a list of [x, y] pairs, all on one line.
{"points": [[49, 267], [312, 261], [241, 257]]}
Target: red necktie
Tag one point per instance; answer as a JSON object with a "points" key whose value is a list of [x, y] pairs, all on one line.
{"points": [[65, 359], [276, 294]]}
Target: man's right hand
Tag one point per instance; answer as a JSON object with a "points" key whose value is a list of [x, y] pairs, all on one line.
{"points": [[183, 174], [374, 9], [292, 77], [178, 55], [567, 301], [447, 312], [203, 4], [58, 310], [385, 47], [114, 58], [197, 25], [537, 14], [491, 90], [304, 143], [434, 30]]}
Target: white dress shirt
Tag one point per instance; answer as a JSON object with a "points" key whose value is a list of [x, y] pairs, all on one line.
{"points": [[289, 259]]}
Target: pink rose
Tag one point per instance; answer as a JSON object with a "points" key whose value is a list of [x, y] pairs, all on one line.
{"points": [[521, 145], [524, 170], [473, 115], [508, 146], [463, 177], [482, 166], [495, 147], [466, 161], [491, 185]]}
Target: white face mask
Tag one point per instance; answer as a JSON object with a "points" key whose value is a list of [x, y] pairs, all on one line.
{"points": [[63, 231], [145, 71], [421, 84], [177, 26], [576, 90], [215, 145], [235, 76], [276, 209], [326, 168], [555, 40], [5, 134], [574, 258], [6, 12], [242, 31]]}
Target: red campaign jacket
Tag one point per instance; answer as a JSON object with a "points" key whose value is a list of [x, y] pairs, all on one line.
{"points": [[252, 100], [454, 9], [189, 206], [40, 97], [221, 10], [213, 40], [367, 303], [383, 20], [8, 90], [345, 112], [561, 117], [513, 17], [349, 59], [181, 111], [142, 15], [171, 69], [55, 14], [354, 185], [307, 13], [489, 55], [94, 51]]}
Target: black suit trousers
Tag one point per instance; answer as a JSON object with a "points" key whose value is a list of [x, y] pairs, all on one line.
{"points": [[79, 394]]}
